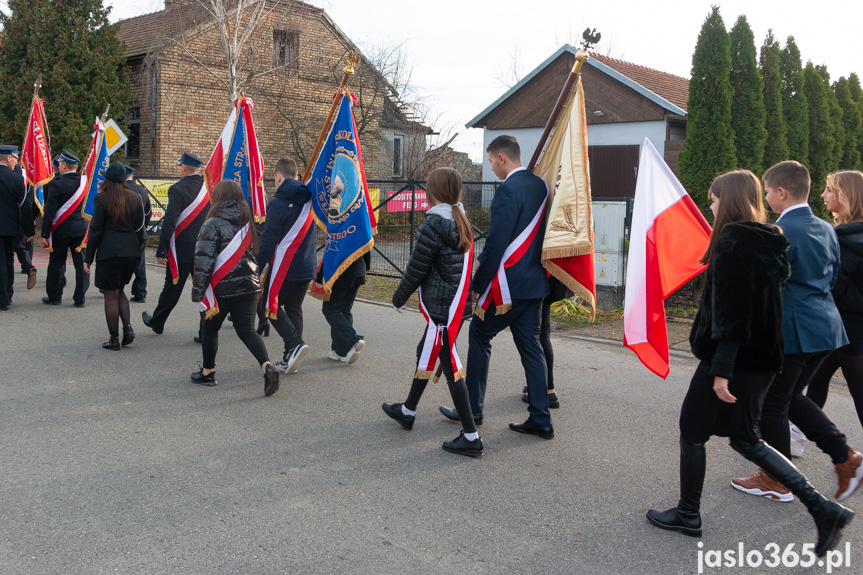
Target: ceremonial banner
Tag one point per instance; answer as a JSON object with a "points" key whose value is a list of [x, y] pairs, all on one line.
{"points": [[36, 152], [668, 237], [237, 157], [340, 197], [567, 249], [94, 169]]}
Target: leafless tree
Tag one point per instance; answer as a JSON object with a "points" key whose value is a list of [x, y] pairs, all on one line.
{"points": [[512, 71]]}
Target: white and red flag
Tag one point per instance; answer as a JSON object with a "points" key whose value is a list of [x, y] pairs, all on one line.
{"points": [[668, 236], [36, 151], [225, 262]]}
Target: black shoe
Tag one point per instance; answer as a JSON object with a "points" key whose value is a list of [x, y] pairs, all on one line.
{"points": [[830, 521], [394, 410], [148, 319], [200, 378], [674, 520], [451, 413], [463, 446], [271, 380], [128, 335], [553, 401], [79, 304], [113, 344], [49, 301], [263, 328], [138, 299], [4, 308], [197, 339], [531, 428]]}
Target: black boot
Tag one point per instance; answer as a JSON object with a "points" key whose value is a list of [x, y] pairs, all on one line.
{"points": [[113, 343], [830, 518], [686, 517], [128, 335], [263, 327]]}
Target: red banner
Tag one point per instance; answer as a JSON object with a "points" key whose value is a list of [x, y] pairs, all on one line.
{"points": [[36, 152]]}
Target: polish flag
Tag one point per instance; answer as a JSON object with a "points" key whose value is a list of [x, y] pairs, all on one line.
{"points": [[216, 164], [668, 237]]}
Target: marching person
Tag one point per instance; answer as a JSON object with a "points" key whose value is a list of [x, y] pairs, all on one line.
{"points": [[226, 281], [64, 230], [115, 240], [439, 268], [510, 285], [12, 192], [139, 286], [23, 245], [737, 335], [556, 291], [811, 328], [288, 244], [188, 201], [346, 342]]}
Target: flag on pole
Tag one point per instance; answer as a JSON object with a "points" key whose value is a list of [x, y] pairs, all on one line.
{"points": [[237, 157], [94, 169], [567, 249], [340, 196], [668, 236], [36, 152]]}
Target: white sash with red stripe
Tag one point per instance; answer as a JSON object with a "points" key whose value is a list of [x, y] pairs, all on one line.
{"points": [[187, 216], [66, 210], [434, 333], [283, 256], [497, 292], [225, 262]]}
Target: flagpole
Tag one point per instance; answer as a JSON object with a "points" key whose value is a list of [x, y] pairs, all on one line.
{"points": [[353, 60], [580, 58]]}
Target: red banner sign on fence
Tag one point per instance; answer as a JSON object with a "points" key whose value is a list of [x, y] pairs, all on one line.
{"points": [[402, 202]]}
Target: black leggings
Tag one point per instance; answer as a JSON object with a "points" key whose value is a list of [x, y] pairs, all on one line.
{"points": [[243, 313], [852, 369]]}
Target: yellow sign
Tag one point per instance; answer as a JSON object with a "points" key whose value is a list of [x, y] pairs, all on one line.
{"points": [[114, 136], [158, 192]]}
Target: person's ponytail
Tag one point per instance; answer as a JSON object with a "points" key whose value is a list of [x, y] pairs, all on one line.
{"points": [[464, 229]]}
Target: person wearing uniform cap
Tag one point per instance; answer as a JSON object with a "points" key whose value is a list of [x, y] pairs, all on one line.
{"points": [[12, 191], [180, 196], [115, 240], [23, 245], [139, 286], [68, 235]]}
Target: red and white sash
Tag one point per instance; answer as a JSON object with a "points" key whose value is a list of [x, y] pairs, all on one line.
{"points": [[283, 256], [225, 262], [66, 210], [497, 292], [434, 333], [187, 216]]}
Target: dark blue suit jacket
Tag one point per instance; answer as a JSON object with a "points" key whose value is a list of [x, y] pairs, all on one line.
{"points": [[515, 203], [282, 213], [810, 320]]}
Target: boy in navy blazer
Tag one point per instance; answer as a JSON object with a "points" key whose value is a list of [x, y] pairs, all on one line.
{"points": [[811, 327]]}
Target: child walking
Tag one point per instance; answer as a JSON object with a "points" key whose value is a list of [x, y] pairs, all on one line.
{"points": [[439, 268]]}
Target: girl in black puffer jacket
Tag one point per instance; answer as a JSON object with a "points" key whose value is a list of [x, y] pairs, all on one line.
{"points": [[440, 269], [226, 281]]}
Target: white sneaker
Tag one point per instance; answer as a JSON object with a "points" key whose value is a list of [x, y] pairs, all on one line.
{"points": [[798, 441], [334, 356], [354, 353], [282, 364], [297, 357]]}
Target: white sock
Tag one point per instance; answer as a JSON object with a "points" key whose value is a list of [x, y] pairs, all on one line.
{"points": [[408, 412], [471, 436]]}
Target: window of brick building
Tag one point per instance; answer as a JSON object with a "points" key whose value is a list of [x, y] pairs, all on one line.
{"points": [[397, 156], [285, 49], [133, 145]]}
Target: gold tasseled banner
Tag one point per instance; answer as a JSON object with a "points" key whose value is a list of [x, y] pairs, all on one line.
{"points": [[328, 287], [502, 309], [320, 296], [479, 312], [260, 219], [458, 375], [423, 374], [271, 315], [210, 313]]}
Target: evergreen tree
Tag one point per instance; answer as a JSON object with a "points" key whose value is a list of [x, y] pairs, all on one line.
{"points": [[709, 149], [776, 146], [837, 123], [747, 103], [794, 105], [857, 96], [82, 65], [821, 139], [853, 123]]}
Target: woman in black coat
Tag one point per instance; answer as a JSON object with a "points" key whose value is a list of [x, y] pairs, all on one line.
{"points": [[439, 268], [737, 335], [115, 240], [844, 197], [225, 281]]}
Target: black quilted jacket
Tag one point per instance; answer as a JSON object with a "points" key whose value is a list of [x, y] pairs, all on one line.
{"points": [[436, 266], [216, 233]]}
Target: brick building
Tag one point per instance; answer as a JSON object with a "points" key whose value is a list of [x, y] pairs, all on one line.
{"points": [[292, 65]]}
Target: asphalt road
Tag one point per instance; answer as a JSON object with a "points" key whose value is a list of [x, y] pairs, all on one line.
{"points": [[113, 462]]}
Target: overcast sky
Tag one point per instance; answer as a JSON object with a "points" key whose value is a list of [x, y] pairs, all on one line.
{"points": [[460, 48]]}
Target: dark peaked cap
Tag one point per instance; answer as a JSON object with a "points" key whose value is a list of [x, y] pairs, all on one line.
{"points": [[190, 160], [9, 150], [68, 157]]}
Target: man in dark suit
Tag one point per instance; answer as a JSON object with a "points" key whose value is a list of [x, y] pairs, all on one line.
{"points": [[811, 327], [23, 243], [184, 193], [12, 191], [69, 233], [517, 209], [139, 286]]}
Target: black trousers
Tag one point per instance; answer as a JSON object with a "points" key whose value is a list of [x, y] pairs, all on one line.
{"points": [[24, 251], [56, 268], [852, 369], [785, 400], [289, 318], [139, 285], [7, 269], [243, 314], [171, 293], [556, 292], [337, 312], [523, 321]]}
